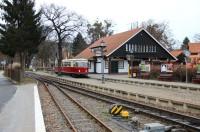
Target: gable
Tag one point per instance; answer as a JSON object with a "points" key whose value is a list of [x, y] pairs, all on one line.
{"points": [[112, 42], [144, 46]]}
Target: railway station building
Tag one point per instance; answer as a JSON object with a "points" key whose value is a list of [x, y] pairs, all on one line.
{"points": [[122, 50]]}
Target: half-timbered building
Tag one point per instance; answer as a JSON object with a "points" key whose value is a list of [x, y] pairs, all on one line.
{"points": [[137, 43]]}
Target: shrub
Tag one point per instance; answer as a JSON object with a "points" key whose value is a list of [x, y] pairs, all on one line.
{"points": [[155, 72], [180, 74]]}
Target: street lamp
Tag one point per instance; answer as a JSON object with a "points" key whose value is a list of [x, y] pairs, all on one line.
{"points": [[130, 57], [187, 54], [99, 51]]}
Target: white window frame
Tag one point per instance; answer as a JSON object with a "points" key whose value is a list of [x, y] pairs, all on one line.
{"points": [[121, 64]]}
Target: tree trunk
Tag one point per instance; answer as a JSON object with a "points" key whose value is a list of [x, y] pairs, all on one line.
{"points": [[11, 62], [22, 62], [59, 56]]}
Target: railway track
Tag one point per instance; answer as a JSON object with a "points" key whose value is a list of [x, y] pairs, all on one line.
{"points": [[78, 117], [55, 119], [188, 122]]}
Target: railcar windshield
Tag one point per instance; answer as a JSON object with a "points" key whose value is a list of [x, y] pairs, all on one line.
{"points": [[82, 64], [75, 63]]}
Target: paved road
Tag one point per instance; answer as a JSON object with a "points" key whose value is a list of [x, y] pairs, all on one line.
{"points": [[18, 113], [7, 90]]}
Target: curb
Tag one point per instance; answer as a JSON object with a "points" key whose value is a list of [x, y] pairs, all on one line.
{"points": [[39, 120]]}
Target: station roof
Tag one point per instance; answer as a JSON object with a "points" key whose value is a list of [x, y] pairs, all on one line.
{"points": [[112, 42], [176, 52]]}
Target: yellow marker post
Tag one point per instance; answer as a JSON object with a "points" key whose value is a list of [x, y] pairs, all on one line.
{"points": [[119, 109], [113, 109]]}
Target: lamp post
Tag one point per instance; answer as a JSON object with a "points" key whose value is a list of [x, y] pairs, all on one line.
{"points": [[99, 51], [130, 57], [187, 54]]}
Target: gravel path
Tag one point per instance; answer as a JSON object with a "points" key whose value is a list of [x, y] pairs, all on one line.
{"points": [[54, 120]]}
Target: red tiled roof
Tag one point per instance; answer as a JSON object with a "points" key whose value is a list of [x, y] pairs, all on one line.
{"points": [[176, 52], [112, 42], [194, 47]]}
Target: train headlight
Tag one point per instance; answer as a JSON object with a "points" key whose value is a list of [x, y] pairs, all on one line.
{"points": [[79, 71]]}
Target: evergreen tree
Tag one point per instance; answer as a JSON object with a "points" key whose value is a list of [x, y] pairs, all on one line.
{"points": [[7, 29], [185, 43], [78, 44], [21, 30]]}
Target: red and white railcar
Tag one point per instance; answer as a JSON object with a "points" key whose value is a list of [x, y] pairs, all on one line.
{"points": [[74, 67]]}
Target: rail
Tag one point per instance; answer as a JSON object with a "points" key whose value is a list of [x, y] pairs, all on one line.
{"points": [[189, 122], [73, 124]]}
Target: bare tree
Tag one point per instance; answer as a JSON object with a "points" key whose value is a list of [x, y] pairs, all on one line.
{"points": [[63, 24], [46, 53], [160, 32], [197, 37], [99, 29]]}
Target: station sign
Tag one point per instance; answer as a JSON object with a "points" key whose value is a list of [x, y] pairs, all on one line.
{"points": [[167, 68]]}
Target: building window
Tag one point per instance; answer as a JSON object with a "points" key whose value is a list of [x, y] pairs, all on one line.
{"points": [[129, 47], [155, 48], [135, 47], [132, 47], [138, 48], [121, 64], [89, 64], [147, 48], [106, 65], [150, 48], [143, 48], [126, 47]]}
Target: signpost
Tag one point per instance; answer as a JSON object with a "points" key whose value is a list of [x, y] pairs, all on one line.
{"points": [[130, 57], [187, 54]]}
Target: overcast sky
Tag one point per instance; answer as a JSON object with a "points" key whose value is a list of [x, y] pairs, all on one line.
{"points": [[183, 16]]}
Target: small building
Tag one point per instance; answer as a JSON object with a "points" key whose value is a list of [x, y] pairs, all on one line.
{"points": [[138, 43], [194, 49]]}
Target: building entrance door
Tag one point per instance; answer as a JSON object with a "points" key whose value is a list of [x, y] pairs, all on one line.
{"points": [[114, 66]]}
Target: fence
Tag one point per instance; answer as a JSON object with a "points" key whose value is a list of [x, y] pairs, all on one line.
{"points": [[14, 74]]}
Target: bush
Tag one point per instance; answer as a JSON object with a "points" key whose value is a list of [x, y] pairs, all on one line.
{"points": [[154, 73], [180, 74]]}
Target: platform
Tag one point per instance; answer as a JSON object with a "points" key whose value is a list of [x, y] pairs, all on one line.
{"points": [[185, 100], [125, 77], [22, 111], [165, 93]]}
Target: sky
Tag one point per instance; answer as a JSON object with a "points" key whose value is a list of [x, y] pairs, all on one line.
{"points": [[183, 16]]}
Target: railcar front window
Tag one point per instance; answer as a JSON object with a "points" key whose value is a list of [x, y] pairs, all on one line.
{"points": [[82, 64]]}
